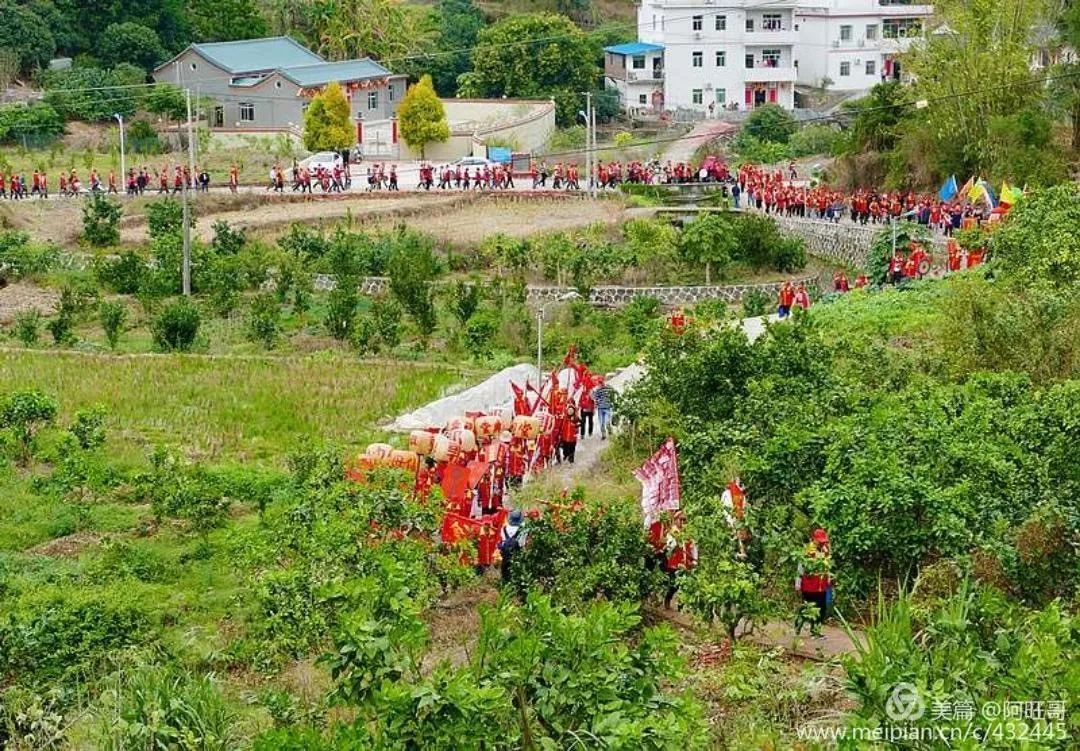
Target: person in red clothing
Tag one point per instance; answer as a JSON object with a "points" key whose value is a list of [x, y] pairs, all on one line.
{"points": [[802, 297], [586, 410], [786, 299], [814, 582], [896, 268], [861, 282], [568, 439], [681, 555]]}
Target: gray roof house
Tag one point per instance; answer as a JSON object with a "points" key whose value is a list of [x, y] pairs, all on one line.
{"points": [[265, 84]]}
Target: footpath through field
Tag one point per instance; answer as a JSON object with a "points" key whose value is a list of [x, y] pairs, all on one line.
{"points": [[494, 393]]}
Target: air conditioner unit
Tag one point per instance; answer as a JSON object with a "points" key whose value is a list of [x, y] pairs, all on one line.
{"points": [[697, 35], [836, 43], [708, 87]]}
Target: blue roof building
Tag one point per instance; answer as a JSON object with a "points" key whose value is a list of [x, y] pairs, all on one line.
{"points": [[266, 84]]}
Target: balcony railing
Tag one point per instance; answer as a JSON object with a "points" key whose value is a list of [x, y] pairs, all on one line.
{"points": [[769, 73], [645, 75]]}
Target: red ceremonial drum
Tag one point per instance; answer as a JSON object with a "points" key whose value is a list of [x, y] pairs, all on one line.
{"points": [[421, 442]]}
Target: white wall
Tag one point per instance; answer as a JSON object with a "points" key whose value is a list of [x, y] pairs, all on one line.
{"points": [[674, 28]]}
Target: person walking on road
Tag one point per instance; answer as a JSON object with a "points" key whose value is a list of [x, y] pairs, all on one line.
{"points": [[604, 398], [814, 583], [588, 408]]}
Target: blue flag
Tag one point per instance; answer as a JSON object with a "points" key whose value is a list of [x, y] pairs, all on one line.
{"points": [[949, 189]]}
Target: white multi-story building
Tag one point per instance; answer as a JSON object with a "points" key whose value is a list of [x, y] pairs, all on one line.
{"points": [[852, 45], [716, 54]]}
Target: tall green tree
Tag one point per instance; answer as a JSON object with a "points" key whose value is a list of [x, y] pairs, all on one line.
{"points": [[225, 20], [458, 23], [26, 35], [709, 240], [534, 56], [421, 117], [386, 30], [973, 68], [328, 121], [1066, 89], [130, 42], [771, 123]]}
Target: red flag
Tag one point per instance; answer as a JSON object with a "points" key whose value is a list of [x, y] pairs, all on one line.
{"points": [[659, 478]]}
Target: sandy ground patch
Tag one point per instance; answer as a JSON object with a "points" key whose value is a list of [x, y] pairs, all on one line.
{"points": [[19, 297]]}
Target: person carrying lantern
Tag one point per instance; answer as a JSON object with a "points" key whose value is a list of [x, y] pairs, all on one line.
{"points": [[814, 582]]}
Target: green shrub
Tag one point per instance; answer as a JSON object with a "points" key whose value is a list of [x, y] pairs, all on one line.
{"points": [[176, 489], [167, 218], [112, 314], [815, 138], [341, 311], [227, 241], [123, 274], [28, 327], [89, 427], [20, 258], [264, 320], [25, 413], [480, 332], [163, 707], [770, 123], [63, 631], [175, 328], [756, 303], [101, 221]]}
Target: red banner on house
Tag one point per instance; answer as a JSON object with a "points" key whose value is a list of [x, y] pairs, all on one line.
{"points": [[659, 478]]}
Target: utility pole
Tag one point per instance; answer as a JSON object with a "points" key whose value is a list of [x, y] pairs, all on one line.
{"points": [[592, 145], [123, 161], [588, 143], [186, 273]]}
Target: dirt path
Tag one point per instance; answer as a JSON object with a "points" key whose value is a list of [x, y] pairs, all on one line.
{"points": [[705, 131]]}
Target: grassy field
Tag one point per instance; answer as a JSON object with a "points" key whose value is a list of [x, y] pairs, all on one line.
{"points": [[241, 409]]}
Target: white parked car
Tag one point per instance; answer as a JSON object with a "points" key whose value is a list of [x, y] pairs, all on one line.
{"points": [[474, 161], [327, 160]]}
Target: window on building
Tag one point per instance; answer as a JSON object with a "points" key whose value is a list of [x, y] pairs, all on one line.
{"points": [[390, 93], [697, 96], [749, 24], [897, 2], [845, 69], [900, 28], [749, 59], [654, 23], [721, 23], [697, 58], [721, 97], [770, 58], [871, 31], [219, 117], [194, 66], [247, 112], [642, 98], [845, 33], [871, 67], [771, 21], [695, 22], [721, 58], [373, 100], [638, 62]]}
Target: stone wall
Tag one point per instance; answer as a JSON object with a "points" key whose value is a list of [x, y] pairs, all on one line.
{"points": [[608, 296], [843, 242]]}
